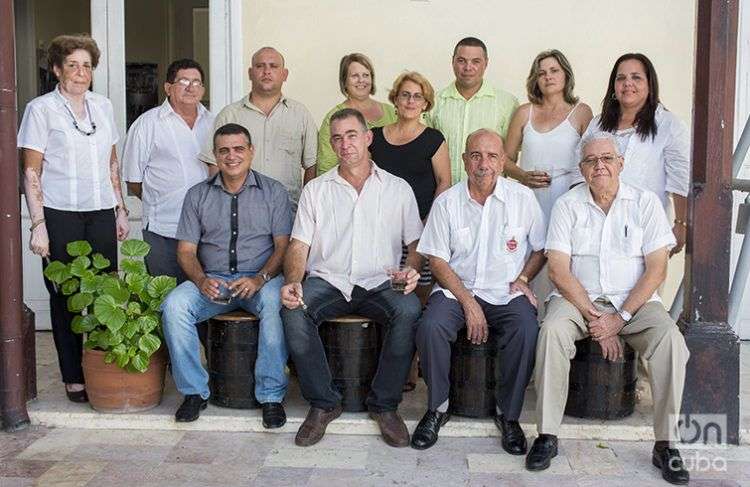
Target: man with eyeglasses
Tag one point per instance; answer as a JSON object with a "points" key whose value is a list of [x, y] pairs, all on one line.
{"points": [[161, 161], [284, 132], [607, 245], [469, 103], [349, 228], [484, 238]]}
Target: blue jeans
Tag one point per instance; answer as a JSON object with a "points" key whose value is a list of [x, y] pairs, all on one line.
{"points": [[394, 311], [186, 306]]}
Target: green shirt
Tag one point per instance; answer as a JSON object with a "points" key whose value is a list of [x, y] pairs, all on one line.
{"points": [[456, 117], [326, 157]]}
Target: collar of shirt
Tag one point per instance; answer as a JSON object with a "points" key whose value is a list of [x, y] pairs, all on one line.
{"points": [[59, 96], [498, 193], [484, 91], [334, 176], [166, 109], [248, 104], [250, 180]]}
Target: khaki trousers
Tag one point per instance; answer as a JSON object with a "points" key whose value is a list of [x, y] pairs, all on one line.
{"points": [[651, 332]]}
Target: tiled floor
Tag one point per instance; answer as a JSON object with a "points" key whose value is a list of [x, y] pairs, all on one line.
{"points": [[91, 449]]}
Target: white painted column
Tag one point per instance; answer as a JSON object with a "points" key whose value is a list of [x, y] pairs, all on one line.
{"points": [[225, 52], [742, 110]]}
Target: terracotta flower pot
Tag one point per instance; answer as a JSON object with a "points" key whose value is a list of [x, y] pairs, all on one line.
{"points": [[114, 390]]}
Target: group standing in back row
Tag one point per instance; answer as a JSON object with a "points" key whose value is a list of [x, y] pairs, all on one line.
{"points": [[484, 237]]}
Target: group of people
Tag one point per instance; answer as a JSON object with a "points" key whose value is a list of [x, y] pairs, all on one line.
{"points": [[257, 209]]}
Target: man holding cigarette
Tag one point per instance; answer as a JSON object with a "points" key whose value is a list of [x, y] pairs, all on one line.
{"points": [[349, 228]]}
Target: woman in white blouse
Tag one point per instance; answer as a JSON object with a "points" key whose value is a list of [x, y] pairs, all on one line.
{"points": [[655, 143], [71, 181]]}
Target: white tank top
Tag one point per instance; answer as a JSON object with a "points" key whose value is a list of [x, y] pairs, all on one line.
{"points": [[555, 149]]}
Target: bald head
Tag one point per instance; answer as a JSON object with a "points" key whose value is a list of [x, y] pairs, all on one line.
{"points": [[267, 73], [483, 133], [267, 50]]}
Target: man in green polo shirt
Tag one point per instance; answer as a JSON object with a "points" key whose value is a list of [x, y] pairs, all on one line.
{"points": [[469, 104]]}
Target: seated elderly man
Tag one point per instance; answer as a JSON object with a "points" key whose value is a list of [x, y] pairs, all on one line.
{"points": [[607, 247], [484, 238], [233, 232], [350, 225]]}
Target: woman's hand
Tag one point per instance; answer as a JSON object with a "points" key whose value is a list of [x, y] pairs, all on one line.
{"points": [[122, 225], [39, 241], [535, 179]]}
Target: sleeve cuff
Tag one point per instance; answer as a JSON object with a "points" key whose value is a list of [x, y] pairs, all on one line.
{"points": [[558, 246], [667, 240], [678, 191], [435, 253], [304, 240]]}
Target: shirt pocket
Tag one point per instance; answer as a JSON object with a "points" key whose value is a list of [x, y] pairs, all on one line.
{"points": [[290, 146], [462, 241], [631, 241], [513, 241]]}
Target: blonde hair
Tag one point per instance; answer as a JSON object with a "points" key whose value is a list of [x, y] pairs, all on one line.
{"points": [[427, 91]]}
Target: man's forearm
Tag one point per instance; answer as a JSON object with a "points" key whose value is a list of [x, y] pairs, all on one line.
{"points": [[273, 265], [191, 266], [644, 289], [309, 174], [534, 264], [449, 280], [572, 290], [295, 261]]}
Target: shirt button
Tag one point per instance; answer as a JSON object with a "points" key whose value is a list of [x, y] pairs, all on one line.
{"points": [[232, 250], [234, 214], [234, 197], [234, 233], [233, 269]]}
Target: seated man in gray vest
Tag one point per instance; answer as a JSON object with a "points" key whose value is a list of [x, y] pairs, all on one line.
{"points": [[607, 246], [233, 232]]}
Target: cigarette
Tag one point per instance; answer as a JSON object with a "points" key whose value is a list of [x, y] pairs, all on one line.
{"points": [[301, 302]]}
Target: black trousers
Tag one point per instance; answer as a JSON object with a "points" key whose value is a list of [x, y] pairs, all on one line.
{"points": [[98, 228], [162, 258]]}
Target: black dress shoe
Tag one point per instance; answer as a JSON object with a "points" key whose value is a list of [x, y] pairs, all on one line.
{"points": [[670, 463], [273, 415], [77, 396], [542, 452], [191, 408], [513, 439], [426, 433]]}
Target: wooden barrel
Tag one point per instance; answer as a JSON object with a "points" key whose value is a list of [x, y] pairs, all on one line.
{"points": [[352, 346], [231, 353], [599, 388], [474, 376]]}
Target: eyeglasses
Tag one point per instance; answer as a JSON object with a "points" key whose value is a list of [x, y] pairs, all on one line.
{"points": [[195, 83], [406, 96], [74, 66], [606, 159]]}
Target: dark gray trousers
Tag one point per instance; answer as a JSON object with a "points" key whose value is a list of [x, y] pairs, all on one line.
{"points": [[516, 326], [162, 259]]}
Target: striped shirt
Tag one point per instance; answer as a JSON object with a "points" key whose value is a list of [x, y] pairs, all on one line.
{"points": [[456, 117]]}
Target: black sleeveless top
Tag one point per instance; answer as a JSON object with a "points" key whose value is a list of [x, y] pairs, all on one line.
{"points": [[411, 161]]}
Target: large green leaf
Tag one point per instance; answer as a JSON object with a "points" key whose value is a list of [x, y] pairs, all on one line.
{"points": [[134, 308], [132, 266], [92, 283], [84, 324], [140, 362], [57, 272], [80, 265], [135, 248], [160, 286], [70, 286], [109, 312], [149, 343], [98, 339], [116, 288], [148, 323], [136, 282], [109, 357], [79, 301], [79, 247], [100, 262], [131, 328]]}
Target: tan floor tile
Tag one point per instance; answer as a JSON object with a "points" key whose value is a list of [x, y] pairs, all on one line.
{"points": [[314, 457], [70, 474], [504, 463]]}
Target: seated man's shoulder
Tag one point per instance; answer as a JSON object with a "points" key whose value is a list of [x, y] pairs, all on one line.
{"points": [[273, 185], [296, 106], [517, 189]]}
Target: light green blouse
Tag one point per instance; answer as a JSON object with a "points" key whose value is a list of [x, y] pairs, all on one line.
{"points": [[326, 157]]}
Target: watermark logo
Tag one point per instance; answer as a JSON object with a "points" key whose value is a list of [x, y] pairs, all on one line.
{"points": [[702, 431]]}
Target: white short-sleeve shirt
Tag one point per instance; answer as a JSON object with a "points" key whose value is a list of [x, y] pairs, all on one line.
{"points": [[607, 250], [75, 166], [161, 152], [660, 164], [353, 237], [485, 245]]}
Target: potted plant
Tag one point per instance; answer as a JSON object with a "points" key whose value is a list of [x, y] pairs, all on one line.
{"points": [[119, 314]]}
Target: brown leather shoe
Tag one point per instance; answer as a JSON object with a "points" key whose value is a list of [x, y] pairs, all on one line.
{"points": [[314, 426], [392, 428]]}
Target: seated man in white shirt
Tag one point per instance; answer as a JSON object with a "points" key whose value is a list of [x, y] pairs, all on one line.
{"points": [[608, 245], [484, 238], [350, 225]]}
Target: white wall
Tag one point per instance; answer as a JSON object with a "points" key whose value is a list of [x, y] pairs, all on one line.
{"points": [[420, 35]]}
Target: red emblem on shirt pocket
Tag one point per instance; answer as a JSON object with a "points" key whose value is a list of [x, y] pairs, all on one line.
{"points": [[511, 245]]}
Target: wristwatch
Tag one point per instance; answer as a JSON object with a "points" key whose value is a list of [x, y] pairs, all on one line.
{"points": [[266, 277], [625, 315]]}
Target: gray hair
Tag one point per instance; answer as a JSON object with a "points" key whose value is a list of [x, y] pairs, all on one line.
{"points": [[594, 136]]}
